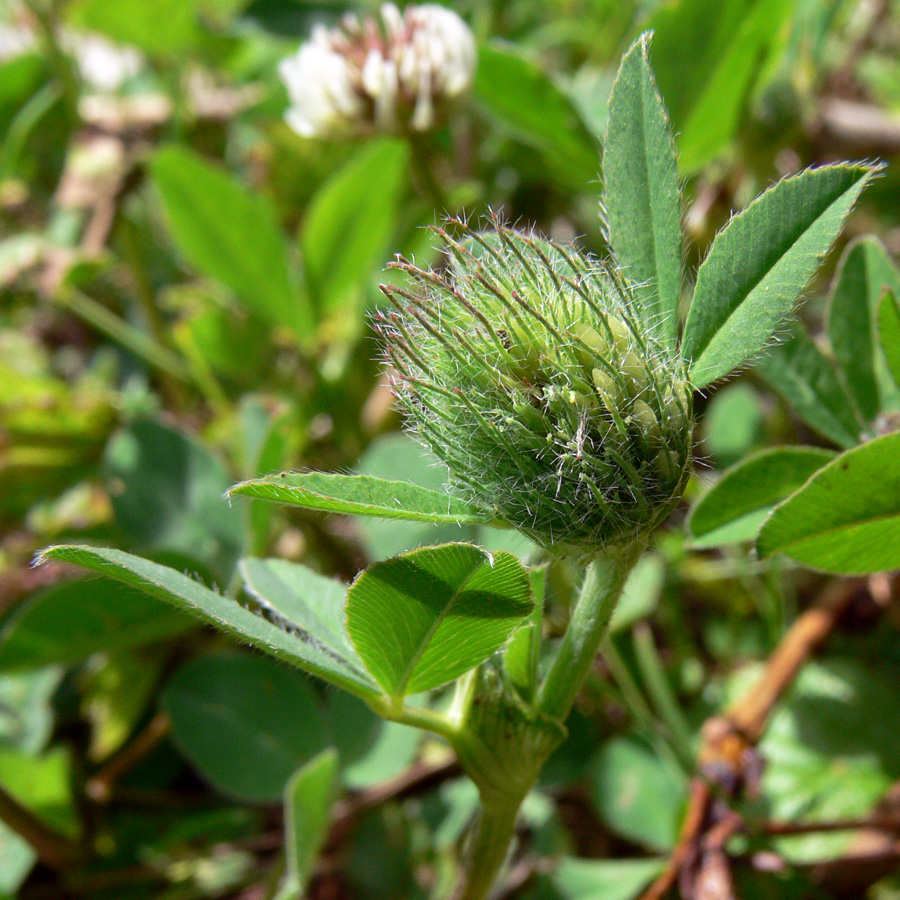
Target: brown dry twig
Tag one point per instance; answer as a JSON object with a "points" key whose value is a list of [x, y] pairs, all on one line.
{"points": [[727, 761]]}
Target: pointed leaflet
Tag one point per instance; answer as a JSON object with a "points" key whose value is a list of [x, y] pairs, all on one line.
{"points": [[424, 618], [167, 584], [760, 263], [798, 370], [230, 234], [641, 199], [865, 273], [734, 509], [361, 495], [889, 334], [846, 518]]}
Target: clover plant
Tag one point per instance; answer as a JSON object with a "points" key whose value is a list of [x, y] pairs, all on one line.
{"points": [[557, 388]]}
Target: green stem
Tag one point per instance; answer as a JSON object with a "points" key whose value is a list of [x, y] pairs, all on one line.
{"points": [[600, 591], [663, 697], [423, 167], [489, 846]]}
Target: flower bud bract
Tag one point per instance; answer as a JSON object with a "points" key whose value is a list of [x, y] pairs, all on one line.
{"points": [[526, 368]]}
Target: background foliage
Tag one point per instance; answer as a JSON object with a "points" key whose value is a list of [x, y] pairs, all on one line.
{"points": [[185, 297]]}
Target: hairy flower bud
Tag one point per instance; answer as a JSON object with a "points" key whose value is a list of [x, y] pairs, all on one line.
{"points": [[526, 368], [401, 72]]}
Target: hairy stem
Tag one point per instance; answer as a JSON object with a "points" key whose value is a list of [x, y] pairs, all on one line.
{"points": [[600, 591], [488, 846]]}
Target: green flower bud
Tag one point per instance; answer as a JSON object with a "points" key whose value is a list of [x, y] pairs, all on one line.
{"points": [[526, 368]]}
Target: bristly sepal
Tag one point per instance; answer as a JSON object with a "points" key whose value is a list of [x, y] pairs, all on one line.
{"points": [[526, 368]]}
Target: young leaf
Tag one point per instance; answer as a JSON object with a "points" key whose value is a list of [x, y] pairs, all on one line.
{"points": [[760, 263], [302, 599], [733, 509], [865, 273], [245, 722], [361, 495], [350, 222], [641, 198], [889, 333], [516, 89], [297, 649], [846, 518], [798, 370], [307, 807], [426, 617], [611, 879], [230, 234]]}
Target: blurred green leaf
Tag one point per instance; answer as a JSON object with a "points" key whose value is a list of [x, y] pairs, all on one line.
{"points": [[349, 225], [167, 493], [725, 41], [458, 604], [846, 518], [293, 647], [161, 28], [44, 785], [641, 197], [230, 234], [361, 495], [641, 593], [889, 333], [760, 263], [732, 424], [734, 508], [307, 808], [798, 370], [26, 710], [519, 92], [246, 722], [609, 879], [639, 795], [72, 621], [16, 860], [864, 274]]}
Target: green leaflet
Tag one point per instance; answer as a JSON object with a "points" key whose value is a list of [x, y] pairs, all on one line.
{"points": [[426, 617], [245, 722], [361, 495], [865, 273], [760, 263], [519, 92], [798, 370], [350, 223], [889, 334], [222, 612], [846, 518], [230, 234], [641, 198], [734, 508]]}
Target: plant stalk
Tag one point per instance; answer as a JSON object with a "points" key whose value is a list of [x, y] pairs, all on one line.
{"points": [[489, 846], [600, 591]]}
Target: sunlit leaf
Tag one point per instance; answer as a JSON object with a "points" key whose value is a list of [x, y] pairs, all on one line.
{"points": [[426, 617], [760, 263]]}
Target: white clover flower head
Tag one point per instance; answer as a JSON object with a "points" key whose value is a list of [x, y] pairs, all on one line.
{"points": [[399, 72]]}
